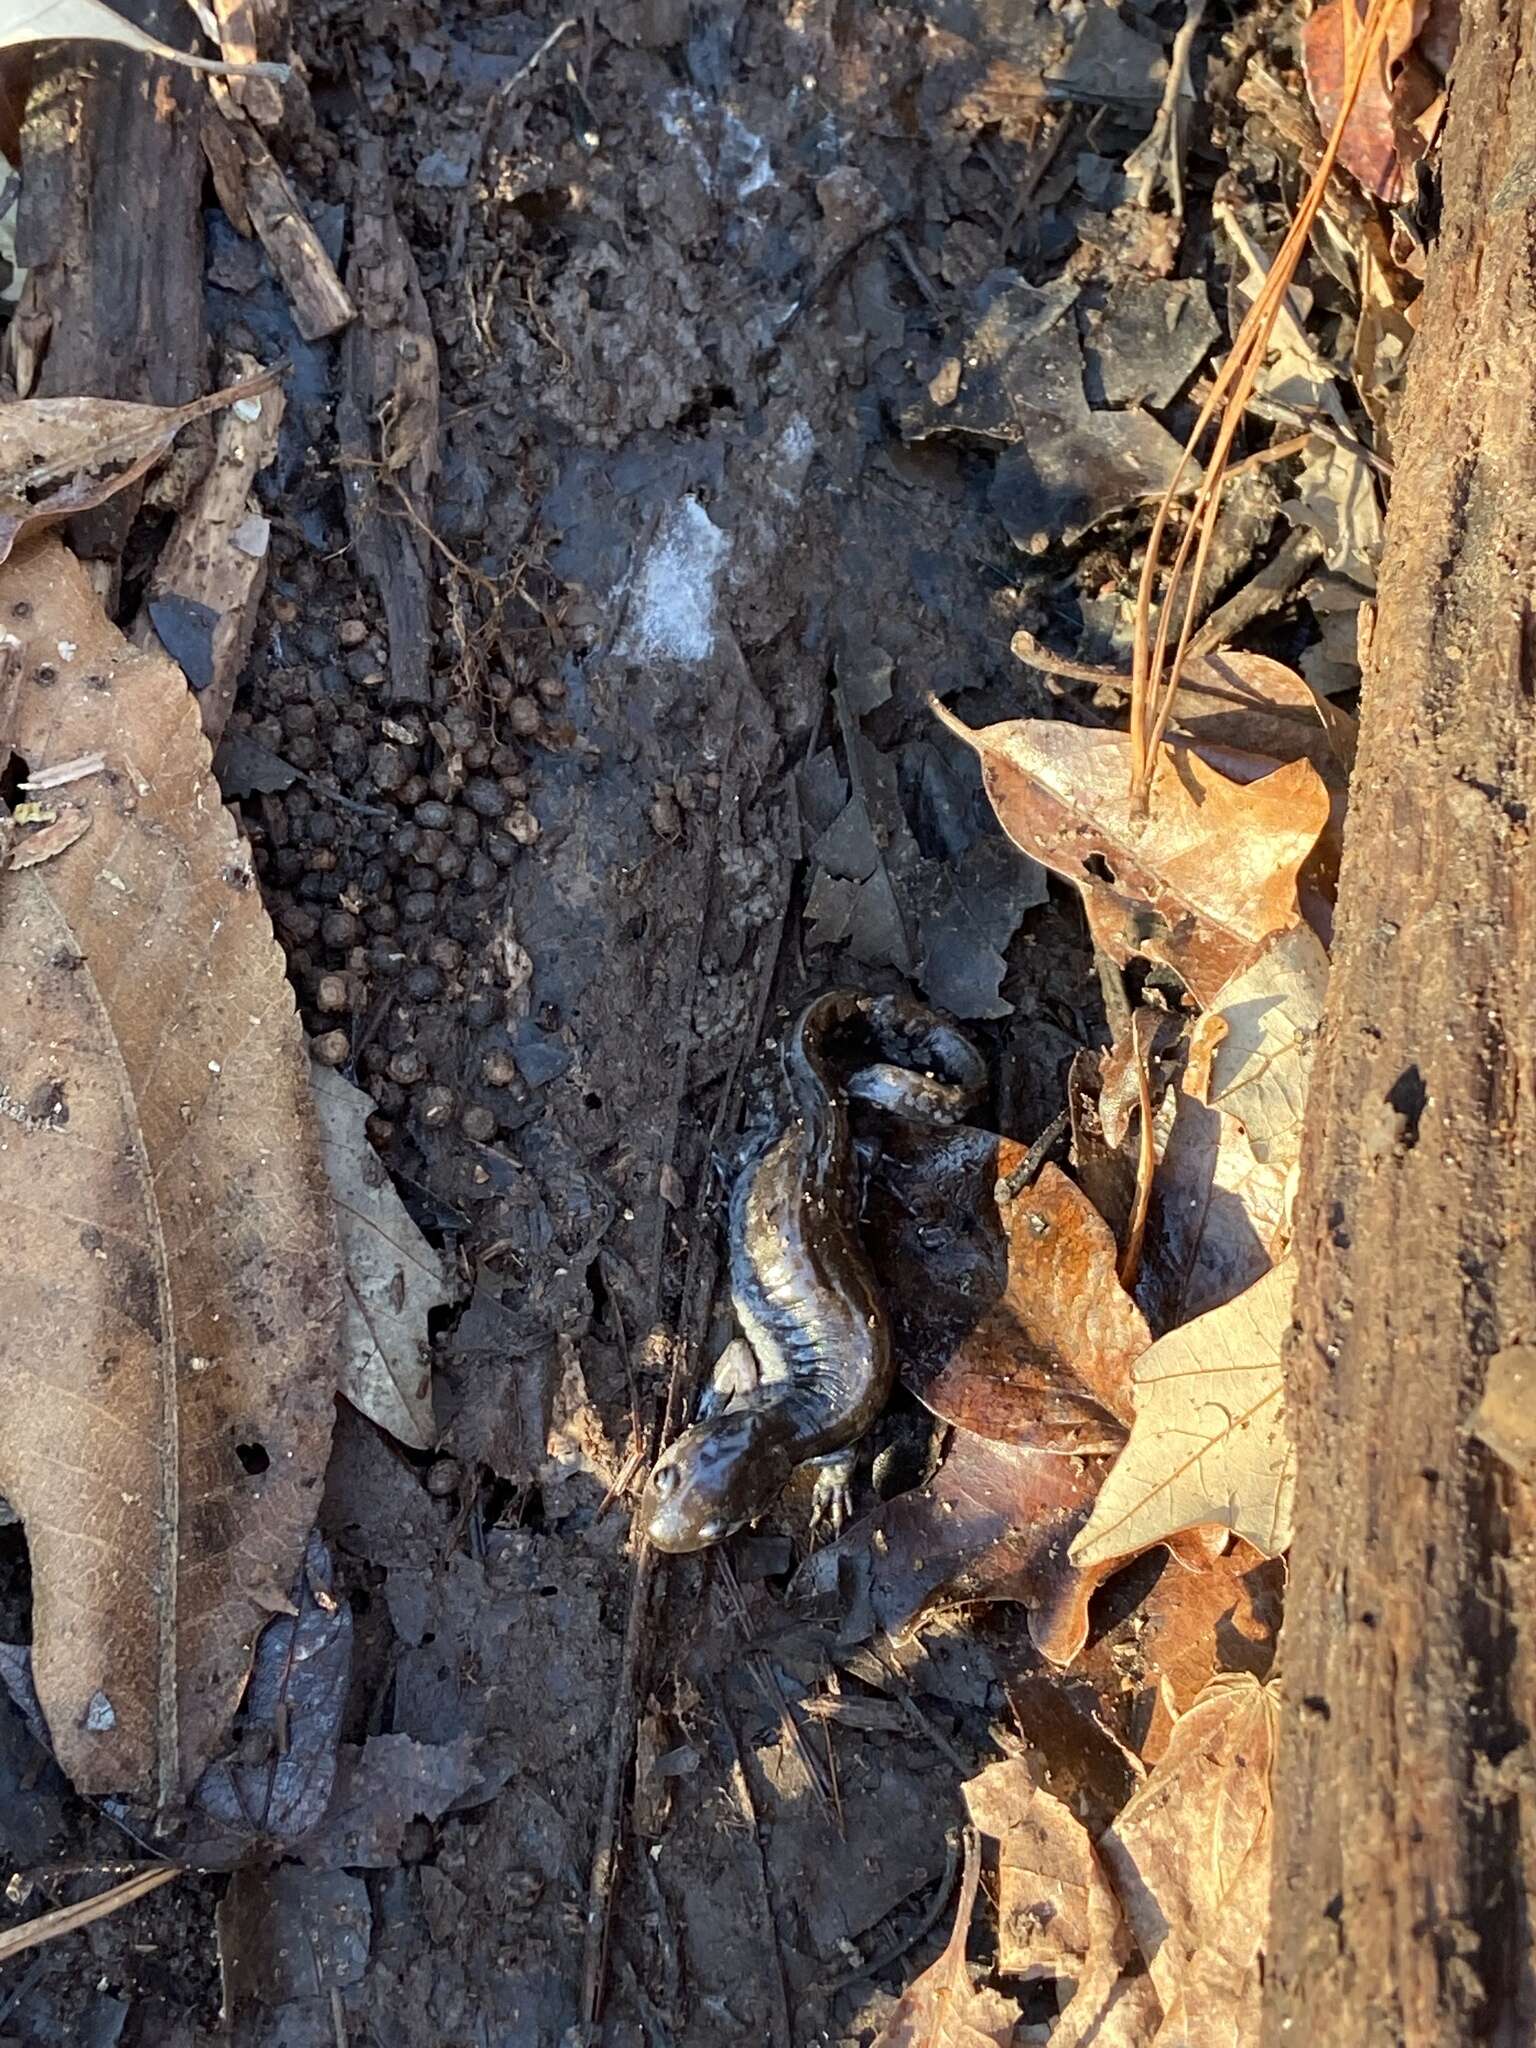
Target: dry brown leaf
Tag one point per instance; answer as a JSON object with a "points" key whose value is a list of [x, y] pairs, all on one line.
{"points": [[1199, 884], [942, 2008], [1253, 703], [170, 1291], [1196, 1624], [1049, 1364], [394, 1279], [1189, 1858], [1211, 1443], [92, 21], [1400, 104], [59, 456]]}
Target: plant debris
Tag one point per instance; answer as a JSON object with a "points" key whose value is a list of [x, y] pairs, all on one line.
{"points": [[196, 1395]]}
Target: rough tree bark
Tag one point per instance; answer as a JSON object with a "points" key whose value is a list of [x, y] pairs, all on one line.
{"points": [[1406, 1790]]}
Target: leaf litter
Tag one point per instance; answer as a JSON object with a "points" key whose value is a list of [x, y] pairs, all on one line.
{"points": [[172, 1292]]}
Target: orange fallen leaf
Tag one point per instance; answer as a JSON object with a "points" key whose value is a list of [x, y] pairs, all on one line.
{"points": [[943, 2008], [59, 456], [1049, 1364], [1399, 106], [1199, 884], [1196, 1625]]}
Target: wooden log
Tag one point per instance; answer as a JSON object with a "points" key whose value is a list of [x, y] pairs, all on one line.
{"points": [[1406, 1788], [110, 224]]}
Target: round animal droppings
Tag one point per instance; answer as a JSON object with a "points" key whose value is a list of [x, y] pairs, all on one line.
{"points": [[435, 1106], [333, 994], [524, 717], [478, 1125], [353, 633], [522, 825], [498, 1069], [331, 1048], [407, 1066], [443, 1477], [485, 796]]}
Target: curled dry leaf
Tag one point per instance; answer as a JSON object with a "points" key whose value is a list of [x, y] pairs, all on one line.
{"points": [[170, 1293], [1189, 1858], [943, 2008], [1211, 1443], [59, 456], [1199, 884], [1259, 706], [1049, 1364], [394, 1279], [92, 21]]}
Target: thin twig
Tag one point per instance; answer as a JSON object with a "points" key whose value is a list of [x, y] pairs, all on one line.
{"points": [[778, 1991], [70, 1919], [1146, 1167]]}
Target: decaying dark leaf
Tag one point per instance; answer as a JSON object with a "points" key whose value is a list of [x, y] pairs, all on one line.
{"points": [[170, 1295], [995, 1523], [1399, 107], [62, 455], [1199, 884], [943, 2008], [278, 1784]]}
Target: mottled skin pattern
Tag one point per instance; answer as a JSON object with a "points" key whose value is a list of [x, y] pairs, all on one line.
{"points": [[816, 1367]]}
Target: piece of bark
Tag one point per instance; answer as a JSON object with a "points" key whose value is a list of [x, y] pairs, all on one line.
{"points": [[216, 557], [321, 303], [110, 226], [1406, 1831], [389, 381]]}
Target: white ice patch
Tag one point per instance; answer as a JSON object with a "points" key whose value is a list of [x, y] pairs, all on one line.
{"points": [[742, 163], [672, 614], [746, 155], [791, 458]]}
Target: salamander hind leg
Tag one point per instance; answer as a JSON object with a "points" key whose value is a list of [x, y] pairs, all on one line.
{"points": [[735, 1373], [832, 1494]]}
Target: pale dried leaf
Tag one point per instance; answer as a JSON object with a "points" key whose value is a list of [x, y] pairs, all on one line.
{"points": [[1199, 884], [92, 21], [394, 1279], [170, 1292], [1189, 1858], [1211, 1442], [1233, 698], [942, 2008], [59, 456], [1251, 1053], [1058, 1916]]}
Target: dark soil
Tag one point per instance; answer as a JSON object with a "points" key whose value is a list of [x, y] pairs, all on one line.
{"points": [[701, 554]]}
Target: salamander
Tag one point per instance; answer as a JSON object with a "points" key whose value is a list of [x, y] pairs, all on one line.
{"points": [[813, 1367]]}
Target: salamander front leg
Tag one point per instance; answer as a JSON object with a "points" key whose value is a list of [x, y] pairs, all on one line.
{"points": [[832, 1495], [735, 1373]]}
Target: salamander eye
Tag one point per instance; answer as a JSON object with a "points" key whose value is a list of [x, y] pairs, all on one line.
{"points": [[664, 1479]]}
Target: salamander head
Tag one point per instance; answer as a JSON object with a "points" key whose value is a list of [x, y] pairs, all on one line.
{"points": [[714, 1479]]}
